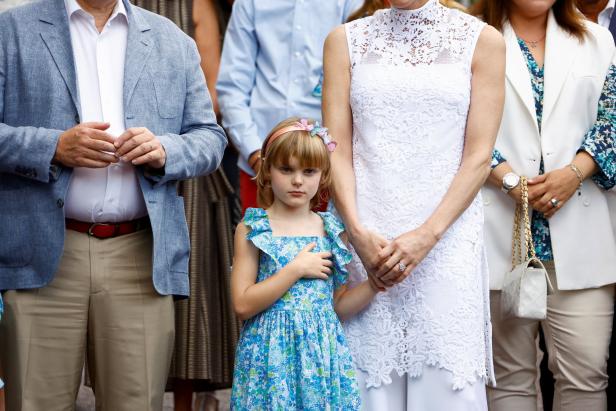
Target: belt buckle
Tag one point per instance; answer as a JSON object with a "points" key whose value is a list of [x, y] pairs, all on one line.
{"points": [[93, 226]]}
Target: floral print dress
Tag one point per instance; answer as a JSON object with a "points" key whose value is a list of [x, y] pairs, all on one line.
{"points": [[293, 355], [598, 142]]}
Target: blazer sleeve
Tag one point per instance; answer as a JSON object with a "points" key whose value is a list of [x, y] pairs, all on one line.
{"points": [[599, 141], [25, 151], [199, 147]]}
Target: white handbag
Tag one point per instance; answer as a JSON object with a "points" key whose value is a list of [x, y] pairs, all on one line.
{"points": [[527, 285]]}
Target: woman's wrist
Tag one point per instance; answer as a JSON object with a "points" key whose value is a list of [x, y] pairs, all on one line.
{"points": [[355, 231]]}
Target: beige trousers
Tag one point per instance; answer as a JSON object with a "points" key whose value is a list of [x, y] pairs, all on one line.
{"points": [[577, 332], [101, 303]]}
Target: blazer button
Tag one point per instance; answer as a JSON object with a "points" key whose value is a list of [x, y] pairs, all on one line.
{"points": [[486, 201], [586, 202], [60, 203]]}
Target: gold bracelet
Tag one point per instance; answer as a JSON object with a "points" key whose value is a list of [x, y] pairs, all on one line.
{"points": [[577, 172]]}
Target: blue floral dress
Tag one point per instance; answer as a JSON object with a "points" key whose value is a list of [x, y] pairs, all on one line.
{"points": [[598, 142], [294, 356]]}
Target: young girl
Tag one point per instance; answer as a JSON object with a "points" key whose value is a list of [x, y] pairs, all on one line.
{"points": [[288, 283]]}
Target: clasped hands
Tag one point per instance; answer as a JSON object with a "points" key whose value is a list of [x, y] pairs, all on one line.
{"points": [[390, 262], [559, 185], [89, 145]]}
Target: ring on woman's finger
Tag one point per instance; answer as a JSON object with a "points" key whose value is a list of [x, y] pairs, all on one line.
{"points": [[554, 202], [401, 266]]}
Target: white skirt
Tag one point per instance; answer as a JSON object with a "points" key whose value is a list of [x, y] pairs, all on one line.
{"points": [[432, 391]]}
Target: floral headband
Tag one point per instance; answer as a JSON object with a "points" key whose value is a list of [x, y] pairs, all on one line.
{"points": [[315, 130]]}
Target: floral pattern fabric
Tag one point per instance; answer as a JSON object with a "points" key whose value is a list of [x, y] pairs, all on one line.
{"points": [[293, 355], [598, 142]]}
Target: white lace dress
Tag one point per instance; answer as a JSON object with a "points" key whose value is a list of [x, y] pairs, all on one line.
{"points": [[410, 95]]}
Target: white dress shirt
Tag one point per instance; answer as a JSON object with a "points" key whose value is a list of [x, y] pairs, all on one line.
{"points": [[606, 15], [110, 194]]}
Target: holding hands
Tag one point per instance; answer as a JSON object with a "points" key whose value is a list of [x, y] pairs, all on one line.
{"points": [[89, 145]]}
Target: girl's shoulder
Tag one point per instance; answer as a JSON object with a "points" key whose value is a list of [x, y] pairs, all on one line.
{"points": [[259, 231], [332, 224]]}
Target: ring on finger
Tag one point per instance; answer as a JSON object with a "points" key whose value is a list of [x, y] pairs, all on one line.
{"points": [[554, 202], [401, 266]]}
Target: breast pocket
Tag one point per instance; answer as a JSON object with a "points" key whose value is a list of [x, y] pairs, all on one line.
{"points": [[170, 88]]}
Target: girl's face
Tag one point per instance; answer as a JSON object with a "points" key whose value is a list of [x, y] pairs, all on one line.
{"points": [[293, 185], [531, 8]]}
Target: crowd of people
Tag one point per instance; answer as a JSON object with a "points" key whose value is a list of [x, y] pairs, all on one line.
{"points": [[309, 202]]}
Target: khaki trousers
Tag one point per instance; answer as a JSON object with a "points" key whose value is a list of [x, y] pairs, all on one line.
{"points": [[577, 331], [101, 303]]}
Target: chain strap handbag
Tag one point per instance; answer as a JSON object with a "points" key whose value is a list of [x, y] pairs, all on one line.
{"points": [[527, 285]]}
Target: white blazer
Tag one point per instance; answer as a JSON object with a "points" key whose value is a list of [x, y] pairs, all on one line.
{"points": [[583, 241]]}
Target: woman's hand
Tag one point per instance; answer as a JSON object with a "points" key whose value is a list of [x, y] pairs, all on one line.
{"points": [[312, 265], [368, 245], [409, 249], [558, 184]]}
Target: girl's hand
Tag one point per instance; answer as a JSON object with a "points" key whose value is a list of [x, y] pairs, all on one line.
{"points": [[312, 265], [368, 245], [409, 249], [558, 184]]}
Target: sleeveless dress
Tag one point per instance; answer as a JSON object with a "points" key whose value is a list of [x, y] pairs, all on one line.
{"points": [[293, 356], [410, 95]]}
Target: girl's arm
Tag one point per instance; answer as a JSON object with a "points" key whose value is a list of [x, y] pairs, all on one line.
{"points": [[338, 118], [485, 112], [348, 302], [250, 298]]}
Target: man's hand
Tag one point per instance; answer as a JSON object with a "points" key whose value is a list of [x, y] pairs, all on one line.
{"points": [[139, 146], [86, 145]]}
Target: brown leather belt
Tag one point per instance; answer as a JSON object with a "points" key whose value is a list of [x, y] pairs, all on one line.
{"points": [[108, 230]]}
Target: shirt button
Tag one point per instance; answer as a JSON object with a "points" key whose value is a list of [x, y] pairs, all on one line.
{"points": [[298, 54], [60, 203]]}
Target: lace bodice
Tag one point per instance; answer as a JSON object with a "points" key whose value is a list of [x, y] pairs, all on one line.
{"points": [[410, 95]]}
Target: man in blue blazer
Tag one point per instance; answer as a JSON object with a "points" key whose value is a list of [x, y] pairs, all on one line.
{"points": [[103, 108]]}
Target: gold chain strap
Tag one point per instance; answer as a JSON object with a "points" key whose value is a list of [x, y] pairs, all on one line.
{"points": [[521, 217]]}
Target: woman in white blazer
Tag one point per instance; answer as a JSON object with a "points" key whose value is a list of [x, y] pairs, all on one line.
{"points": [[559, 71]]}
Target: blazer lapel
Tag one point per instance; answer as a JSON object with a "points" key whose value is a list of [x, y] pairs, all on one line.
{"points": [[57, 38], [517, 72], [561, 48], [138, 48]]}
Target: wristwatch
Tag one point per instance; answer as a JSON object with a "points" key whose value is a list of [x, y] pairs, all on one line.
{"points": [[510, 181]]}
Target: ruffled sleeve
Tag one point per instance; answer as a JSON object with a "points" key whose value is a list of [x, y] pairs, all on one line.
{"points": [[260, 230], [341, 254]]}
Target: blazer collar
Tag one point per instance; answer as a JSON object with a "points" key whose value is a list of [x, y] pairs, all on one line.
{"points": [[517, 73], [561, 49], [56, 35]]}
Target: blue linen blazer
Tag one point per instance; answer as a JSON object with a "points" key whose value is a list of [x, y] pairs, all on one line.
{"points": [[164, 90]]}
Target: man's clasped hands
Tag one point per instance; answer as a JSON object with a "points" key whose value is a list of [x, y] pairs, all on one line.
{"points": [[90, 145]]}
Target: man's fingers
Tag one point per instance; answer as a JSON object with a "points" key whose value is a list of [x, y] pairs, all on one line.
{"points": [[99, 145], [129, 134], [99, 125], [147, 158], [100, 135], [100, 156], [137, 141]]}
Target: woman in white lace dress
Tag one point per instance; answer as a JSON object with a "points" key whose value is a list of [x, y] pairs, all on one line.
{"points": [[414, 96]]}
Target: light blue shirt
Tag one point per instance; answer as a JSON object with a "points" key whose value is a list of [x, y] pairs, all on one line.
{"points": [[272, 61]]}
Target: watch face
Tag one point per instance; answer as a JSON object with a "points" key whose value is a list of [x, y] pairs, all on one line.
{"points": [[510, 180]]}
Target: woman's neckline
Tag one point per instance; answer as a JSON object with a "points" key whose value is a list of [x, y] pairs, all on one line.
{"points": [[412, 12]]}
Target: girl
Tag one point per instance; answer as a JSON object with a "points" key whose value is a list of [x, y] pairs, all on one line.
{"points": [[288, 283]]}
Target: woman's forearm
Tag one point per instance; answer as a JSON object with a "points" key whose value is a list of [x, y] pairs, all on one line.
{"points": [[463, 190]]}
